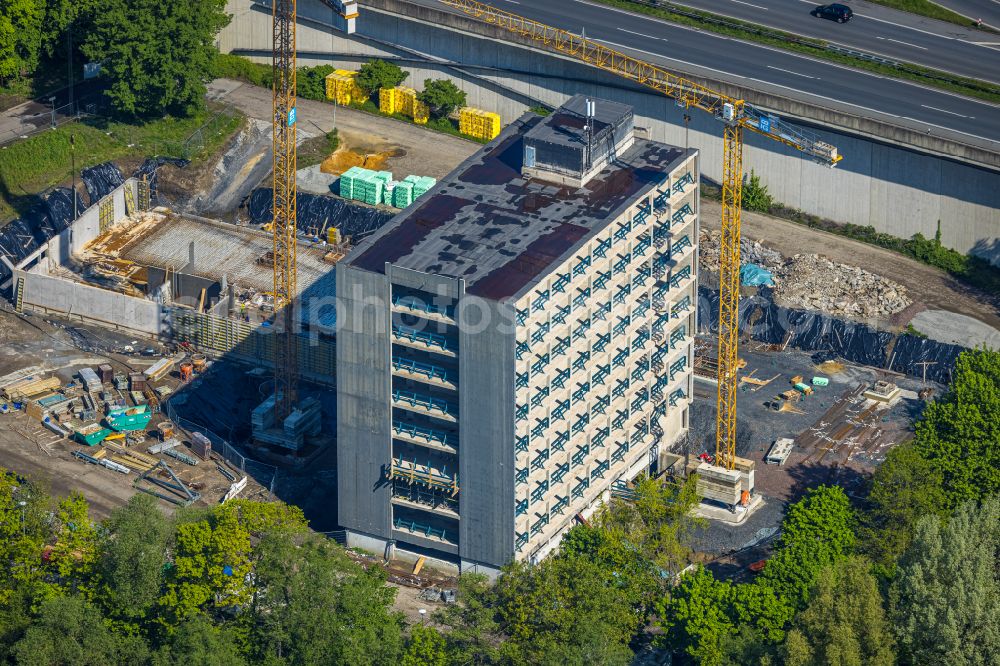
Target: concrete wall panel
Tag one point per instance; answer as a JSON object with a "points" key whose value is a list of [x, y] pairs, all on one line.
{"points": [[77, 301], [486, 432], [363, 410]]}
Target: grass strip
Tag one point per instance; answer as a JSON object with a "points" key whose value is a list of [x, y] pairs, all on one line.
{"points": [[816, 48], [44, 160], [313, 151], [928, 9]]}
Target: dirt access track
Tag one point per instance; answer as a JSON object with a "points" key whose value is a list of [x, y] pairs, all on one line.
{"points": [[414, 150]]}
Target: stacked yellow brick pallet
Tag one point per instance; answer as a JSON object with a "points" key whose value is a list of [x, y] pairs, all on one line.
{"points": [[403, 100], [479, 124], [342, 89]]}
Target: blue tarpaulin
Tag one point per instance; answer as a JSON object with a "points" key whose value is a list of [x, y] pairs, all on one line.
{"points": [[753, 275]]}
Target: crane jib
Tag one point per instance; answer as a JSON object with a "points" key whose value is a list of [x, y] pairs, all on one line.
{"points": [[736, 116]]}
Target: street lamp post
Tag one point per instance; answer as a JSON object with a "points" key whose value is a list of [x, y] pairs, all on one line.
{"points": [[52, 101], [72, 154], [22, 504]]}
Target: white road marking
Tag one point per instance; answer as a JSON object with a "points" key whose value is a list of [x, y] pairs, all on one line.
{"points": [[750, 4], [934, 108], [788, 71], [640, 34], [890, 39], [627, 47]]}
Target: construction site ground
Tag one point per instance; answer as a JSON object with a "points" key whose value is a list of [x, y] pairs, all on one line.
{"points": [[51, 346], [930, 288], [837, 440]]}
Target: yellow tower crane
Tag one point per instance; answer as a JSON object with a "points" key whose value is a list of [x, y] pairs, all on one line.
{"points": [[286, 369], [736, 115]]}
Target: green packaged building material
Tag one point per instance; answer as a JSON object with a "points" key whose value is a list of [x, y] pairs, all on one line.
{"points": [[820, 381], [423, 184], [402, 194]]}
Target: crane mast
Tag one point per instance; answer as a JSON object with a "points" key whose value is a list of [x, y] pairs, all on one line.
{"points": [[736, 115], [283, 227]]}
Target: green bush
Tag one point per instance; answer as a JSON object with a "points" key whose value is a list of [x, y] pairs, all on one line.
{"points": [[377, 74], [312, 82], [755, 195], [229, 66], [441, 96]]}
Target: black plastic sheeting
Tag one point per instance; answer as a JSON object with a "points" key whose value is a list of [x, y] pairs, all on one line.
{"points": [[150, 169], [101, 180], [762, 320], [50, 215], [46, 218], [314, 210]]}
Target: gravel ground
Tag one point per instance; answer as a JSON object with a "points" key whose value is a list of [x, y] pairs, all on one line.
{"points": [[757, 428], [958, 329], [929, 286]]}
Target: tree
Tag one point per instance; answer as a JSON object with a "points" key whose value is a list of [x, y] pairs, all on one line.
{"points": [[637, 579], [133, 549], [755, 195], [72, 557], [657, 522], [945, 600], [564, 610], [212, 558], [24, 530], [197, 641], [70, 631], [156, 54], [844, 623], [426, 647], [716, 622], [20, 36], [313, 605], [377, 74], [441, 96], [473, 634], [905, 488], [695, 617], [310, 82], [959, 435], [817, 531]]}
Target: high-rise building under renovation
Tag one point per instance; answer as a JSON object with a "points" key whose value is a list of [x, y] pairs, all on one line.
{"points": [[519, 340]]}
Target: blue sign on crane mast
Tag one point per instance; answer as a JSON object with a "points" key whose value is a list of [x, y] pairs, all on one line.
{"points": [[764, 124], [291, 116]]}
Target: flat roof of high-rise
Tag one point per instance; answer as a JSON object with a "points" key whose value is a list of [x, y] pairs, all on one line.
{"points": [[500, 232]]}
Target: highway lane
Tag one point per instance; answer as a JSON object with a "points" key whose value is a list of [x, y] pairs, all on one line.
{"points": [[878, 30], [860, 93]]}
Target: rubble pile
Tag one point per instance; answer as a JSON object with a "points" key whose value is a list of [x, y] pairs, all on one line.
{"points": [[751, 252], [812, 282]]}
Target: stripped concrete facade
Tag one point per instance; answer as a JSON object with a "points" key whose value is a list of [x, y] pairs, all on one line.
{"points": [[513, 346]]}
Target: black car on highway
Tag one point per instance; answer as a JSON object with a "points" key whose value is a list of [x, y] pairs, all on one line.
{"points": [[838, 13]]}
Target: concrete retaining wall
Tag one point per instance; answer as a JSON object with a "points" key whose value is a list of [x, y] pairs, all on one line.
{"points": [[898, 189], [55, 295]]}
